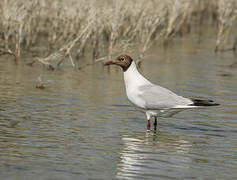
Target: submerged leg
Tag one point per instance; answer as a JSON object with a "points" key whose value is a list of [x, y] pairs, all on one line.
{"points": [[148, 125], [148, 117], [155, 123]]}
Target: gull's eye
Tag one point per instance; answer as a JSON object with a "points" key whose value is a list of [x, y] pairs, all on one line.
{"points": [[122, 59]]}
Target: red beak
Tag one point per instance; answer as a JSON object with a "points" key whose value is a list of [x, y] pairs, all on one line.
{"points": [[109, 63]]}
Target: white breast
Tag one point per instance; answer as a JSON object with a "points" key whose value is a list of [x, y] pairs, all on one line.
{"points": [[134, 97], [133, 80]]}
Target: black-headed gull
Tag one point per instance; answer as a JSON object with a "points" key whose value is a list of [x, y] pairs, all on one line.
{"points": [[155, 100]]}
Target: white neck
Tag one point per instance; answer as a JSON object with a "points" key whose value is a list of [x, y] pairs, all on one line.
{"points": [[133, 78]]}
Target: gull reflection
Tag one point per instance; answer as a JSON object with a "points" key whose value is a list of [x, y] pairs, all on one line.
{"points": [[152, 154]]}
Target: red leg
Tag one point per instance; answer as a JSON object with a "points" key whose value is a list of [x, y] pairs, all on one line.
{"points": [[148, 125]]}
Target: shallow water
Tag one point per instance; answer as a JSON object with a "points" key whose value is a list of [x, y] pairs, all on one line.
{"points": [[81, 126]]}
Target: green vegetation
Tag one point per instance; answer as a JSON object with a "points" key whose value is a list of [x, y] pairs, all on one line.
{"points": [[67, 29]]}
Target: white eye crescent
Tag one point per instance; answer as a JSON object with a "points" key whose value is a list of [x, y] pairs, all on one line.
{"points": [[122, 59]]}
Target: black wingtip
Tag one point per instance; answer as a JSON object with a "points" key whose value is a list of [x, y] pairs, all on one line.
{"points": [[200, 102]]}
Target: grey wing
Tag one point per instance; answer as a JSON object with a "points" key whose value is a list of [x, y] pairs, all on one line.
{"points": [[157, 97]]}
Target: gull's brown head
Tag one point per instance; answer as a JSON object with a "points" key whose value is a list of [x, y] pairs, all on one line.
{"points": [[124, 61]]}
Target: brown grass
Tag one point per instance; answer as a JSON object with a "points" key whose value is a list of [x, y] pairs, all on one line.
{"points": [[72, 28]]}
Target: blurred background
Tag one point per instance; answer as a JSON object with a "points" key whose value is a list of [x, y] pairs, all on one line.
{"points": [[72, 29]]}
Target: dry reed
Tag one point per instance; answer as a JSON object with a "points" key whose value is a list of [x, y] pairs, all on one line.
{"points": [[71, 28]]}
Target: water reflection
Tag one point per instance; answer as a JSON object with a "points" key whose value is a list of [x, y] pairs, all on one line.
{"points": [[81, 125], [148, 155]]}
